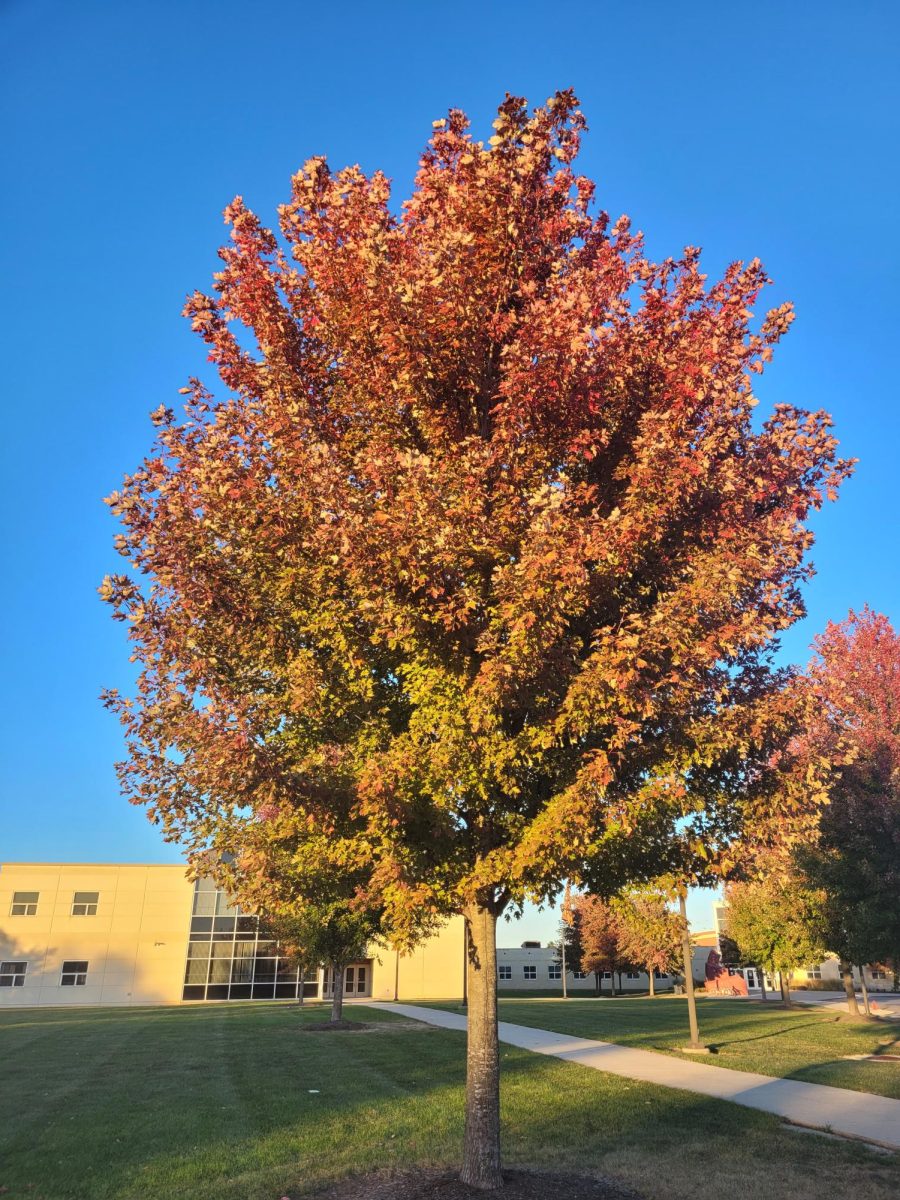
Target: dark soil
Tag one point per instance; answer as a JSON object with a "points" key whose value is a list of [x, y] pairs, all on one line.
{"points": [[446, 1185]]}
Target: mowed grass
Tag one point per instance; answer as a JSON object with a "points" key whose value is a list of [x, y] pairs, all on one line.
{"points": [[235, 1102], [798, 1043]]}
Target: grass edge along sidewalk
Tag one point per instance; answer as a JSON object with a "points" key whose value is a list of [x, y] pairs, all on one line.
{"points": [[860, 1115]]}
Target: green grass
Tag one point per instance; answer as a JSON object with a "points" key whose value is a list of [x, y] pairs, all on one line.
{"points": [[797, 1044], [217, 1103]]}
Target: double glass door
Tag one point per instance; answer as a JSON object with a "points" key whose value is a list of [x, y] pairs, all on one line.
{"points": [[357, 980]]}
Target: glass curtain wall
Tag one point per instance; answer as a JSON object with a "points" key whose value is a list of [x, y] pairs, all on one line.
{"points": [[231, 958]]}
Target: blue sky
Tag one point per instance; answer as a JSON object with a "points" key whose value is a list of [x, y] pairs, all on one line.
{"points": [[749, 129]]}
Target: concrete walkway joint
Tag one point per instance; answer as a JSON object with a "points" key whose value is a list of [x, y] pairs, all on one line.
{"points": [[851, 1114]]}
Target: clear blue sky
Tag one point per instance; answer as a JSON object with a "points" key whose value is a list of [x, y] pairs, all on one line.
{"points": [[749, 129]]}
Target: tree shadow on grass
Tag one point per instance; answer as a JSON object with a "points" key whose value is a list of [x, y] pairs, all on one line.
{"points": [[227, 1104]]}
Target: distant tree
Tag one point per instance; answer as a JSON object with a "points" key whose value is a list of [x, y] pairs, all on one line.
{"points": [[648, 932], [331, 936], [593, 939], [854, 722], [777, 926], [484, 530]]}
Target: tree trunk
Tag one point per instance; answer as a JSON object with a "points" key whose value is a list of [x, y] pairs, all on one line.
{"points": [[481, 1147], [562, 946], [337, 991], [598, 983], [612, 983], [689, 973], [652, 981], [762, 982], [785, 986], [849, 989], [865, 990]]}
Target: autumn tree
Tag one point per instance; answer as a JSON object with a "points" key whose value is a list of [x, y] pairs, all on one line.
{"points": [[648, 932], [777, 925], [854, 722], [592, 941], [481, 529]]}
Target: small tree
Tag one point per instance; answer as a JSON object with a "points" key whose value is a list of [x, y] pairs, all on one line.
{"points": [[648, 932], [332, 936], [484, 528], [777, 925]]}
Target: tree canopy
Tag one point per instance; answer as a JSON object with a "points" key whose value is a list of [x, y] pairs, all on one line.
{"points": [[477, 563]]}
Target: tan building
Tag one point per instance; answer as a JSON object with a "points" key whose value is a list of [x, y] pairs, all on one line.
{"points": [[122, 934]]}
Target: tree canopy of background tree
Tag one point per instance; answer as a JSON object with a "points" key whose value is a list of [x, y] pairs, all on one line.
{"points": [[776, 924], [649, 932], [854, 724], [481, 545]]}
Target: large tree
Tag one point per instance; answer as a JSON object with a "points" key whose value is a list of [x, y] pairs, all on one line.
{"points": [[854, 723], [483, 535]]}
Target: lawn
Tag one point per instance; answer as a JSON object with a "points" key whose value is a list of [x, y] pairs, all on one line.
{"points": [[236, 1102], [798, 1044]]}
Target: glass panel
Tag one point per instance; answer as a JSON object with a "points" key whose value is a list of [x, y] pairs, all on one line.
{"points": [[75, 966], [223, 925], [361, 979], [26, 897], [247, 925], [348, 980], [217, 993], [87, 897], [193, 993], [223, 907], [220, 970], [201, 925], [197, 971], [263, 991], [264, 970], [240, 991], [198, 950], [204, 904]]}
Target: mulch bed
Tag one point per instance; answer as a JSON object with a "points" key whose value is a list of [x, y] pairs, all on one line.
{"points": [[446, 1185]]}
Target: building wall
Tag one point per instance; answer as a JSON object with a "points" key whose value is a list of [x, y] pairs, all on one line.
{"points": [[543, 958], [433, 971], [135, 944]]}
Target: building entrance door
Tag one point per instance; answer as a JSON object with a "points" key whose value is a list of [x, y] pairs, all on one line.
{"points": [[357, 981]]}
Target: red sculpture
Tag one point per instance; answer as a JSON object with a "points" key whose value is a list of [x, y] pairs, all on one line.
{"points": [[720, 981]]}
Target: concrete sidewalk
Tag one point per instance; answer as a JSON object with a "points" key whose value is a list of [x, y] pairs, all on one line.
{"points": [[851, 1114]]}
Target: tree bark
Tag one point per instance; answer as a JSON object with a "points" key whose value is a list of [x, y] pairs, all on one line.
{"points": [[785, 986], [849, 989], [481, 1145], [762, 982], [337, 991], [865, 990], [652, 981], [687, 954]]}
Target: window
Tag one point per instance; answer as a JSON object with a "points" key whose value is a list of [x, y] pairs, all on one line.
{"points": [[580, 974], [632, 974], [607, 974], [84, 904], [360, 979], [876, 974], [74, 974], [658, 974], [12, 974], [530, 972], [813, 972], [554, 970], [24, 904], [504, 971]]}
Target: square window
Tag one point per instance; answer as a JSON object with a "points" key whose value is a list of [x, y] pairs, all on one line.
{"points": [[24, 904], [74, 974], [580, 974], [632, 974], [554, 971], [504, 971], [530, 972], [84, 904], [12, 974]]}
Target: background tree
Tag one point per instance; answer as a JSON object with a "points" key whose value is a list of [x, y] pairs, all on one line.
{"points": [[854, 722], [648, 932], [330, 936], [777, 925], [484, 529]]}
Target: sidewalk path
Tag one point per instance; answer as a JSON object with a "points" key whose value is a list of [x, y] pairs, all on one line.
{"points": [[852, 1114]]}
